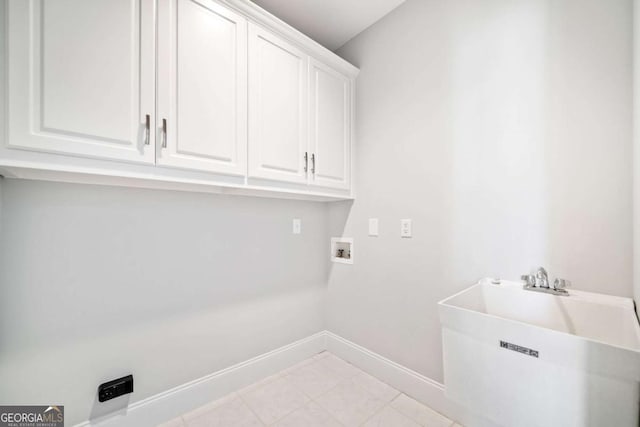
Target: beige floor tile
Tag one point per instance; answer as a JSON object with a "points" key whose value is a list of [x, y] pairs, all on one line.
{"points": [[339, 366], [350, 404], [389, 417], [275, 400], [209, 407], [314, 379], [310, 415], [233, 414], [176, 422], [420, 413], [297, 366], [259, 384], [375, 386]]}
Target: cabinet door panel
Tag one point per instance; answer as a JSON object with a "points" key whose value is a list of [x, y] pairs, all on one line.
{"points": [[277, 108], [81, 77], [202, 87], [330, 123]]}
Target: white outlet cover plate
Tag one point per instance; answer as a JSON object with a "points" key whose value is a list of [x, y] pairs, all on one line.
{"points": [[297, 226], [373, 226], [405, 228]]}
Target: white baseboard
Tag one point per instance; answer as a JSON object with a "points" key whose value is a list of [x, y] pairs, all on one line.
{"points": [[184, 398]]}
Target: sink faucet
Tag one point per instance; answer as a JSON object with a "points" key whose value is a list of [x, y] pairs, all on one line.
{"points": [[539, 282], [542, 278]]}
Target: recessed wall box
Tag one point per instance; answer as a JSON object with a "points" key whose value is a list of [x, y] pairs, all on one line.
{"points": [[342, 250]]}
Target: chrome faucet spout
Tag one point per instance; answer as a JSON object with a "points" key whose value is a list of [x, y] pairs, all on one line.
{"points": [[542, 278]]}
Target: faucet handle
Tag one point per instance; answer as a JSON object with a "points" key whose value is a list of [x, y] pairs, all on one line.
{"points": [[561, 284], [529, 279], [541, 273]]}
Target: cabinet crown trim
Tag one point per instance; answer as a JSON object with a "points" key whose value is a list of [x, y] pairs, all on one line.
{"points": [[259, 15]]}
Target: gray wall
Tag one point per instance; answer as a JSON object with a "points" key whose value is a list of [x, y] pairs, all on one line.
{"points": [[503, 129], [98, 282]]}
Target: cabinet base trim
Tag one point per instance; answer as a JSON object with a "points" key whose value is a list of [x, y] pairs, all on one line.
{"points": [[80, 175]]}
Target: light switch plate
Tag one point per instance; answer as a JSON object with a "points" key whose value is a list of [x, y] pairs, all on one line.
{"points": [[405, 228], [373, 226], [297, 226]]}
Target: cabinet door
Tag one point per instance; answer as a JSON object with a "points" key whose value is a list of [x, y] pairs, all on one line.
{"points": [[82, 77], [277, 108], [330, 127], [202, 87]]}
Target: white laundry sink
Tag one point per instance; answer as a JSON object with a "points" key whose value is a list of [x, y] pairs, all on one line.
{"points": [[522, 358]]}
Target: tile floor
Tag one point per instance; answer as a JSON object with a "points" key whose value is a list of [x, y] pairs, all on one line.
{"points": [[322, 391]]}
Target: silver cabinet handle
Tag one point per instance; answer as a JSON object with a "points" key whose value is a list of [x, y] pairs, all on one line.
{"points": [[147, 129], [306, 162], [164, 133], [313, 163]]}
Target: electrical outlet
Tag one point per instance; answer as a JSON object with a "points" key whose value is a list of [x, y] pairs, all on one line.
{"points": [[373, 226], [115, 388], [405, 228], [297, 226]]}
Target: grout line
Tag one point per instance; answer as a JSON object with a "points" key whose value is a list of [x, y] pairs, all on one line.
{"points": [[254, 386], [331, 389], [423, 405], [342, 379], [374, 414], [284, 377], [326, 410], [251, 409], [357, 386], [300, 407], [335, 371]]}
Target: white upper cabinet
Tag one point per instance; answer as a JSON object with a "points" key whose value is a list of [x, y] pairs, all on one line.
{"points": [[81, 77], [330, 126], [204, 94], [202, 87], [278, 74]]}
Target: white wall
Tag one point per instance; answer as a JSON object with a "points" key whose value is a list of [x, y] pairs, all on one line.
{"points": [[99, 282], [503, 129], [636, 153]]}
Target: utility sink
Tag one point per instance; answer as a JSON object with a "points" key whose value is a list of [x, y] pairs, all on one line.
{"points": [[522, 358]]}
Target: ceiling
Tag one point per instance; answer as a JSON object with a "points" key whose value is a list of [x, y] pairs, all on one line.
{"points": [[329, 22]]}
